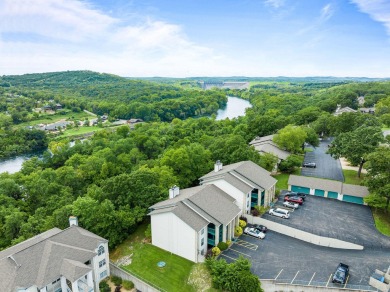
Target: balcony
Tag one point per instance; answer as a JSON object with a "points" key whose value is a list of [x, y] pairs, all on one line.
{"points": [[83, 287]]}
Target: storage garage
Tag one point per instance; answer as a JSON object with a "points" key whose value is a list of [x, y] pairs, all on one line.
{"points": [[327, 188]]}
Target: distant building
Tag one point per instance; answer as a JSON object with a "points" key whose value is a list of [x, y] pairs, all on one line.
{"points": [[340, 110], [266, 145], [73, 259], [367, 110], [222, 85]]}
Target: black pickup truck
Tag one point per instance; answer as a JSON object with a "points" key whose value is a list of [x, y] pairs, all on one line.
{"points": [[341, 274]]}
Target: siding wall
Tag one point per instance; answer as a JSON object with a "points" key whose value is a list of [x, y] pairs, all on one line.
{"points": [[170, 233]]}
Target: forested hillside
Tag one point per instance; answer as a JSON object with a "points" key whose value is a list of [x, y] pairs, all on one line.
{"points": [[111, 179]]}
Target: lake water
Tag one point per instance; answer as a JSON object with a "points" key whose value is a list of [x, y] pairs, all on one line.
{"points": [[235, 107], [14, 164]]}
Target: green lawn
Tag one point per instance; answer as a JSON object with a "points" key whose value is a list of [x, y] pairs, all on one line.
{"points": [[382, 221], [351, 177], [80, 131], [173, 277], [282, 181], [48, 119]]}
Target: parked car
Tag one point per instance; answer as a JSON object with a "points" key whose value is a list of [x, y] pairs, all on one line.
{"points": [[309, 164], [279, 213], [254, 232], [291, 205], [293, 199], [341, 274], [296, 194], [262, 228]]}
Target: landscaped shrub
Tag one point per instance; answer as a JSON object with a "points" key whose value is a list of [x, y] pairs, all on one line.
{"points": [[244, 218], [116, 280], [255, 212], [216, 251], [223, 245], [103, 286], [229, 242], [261, 209], [237, 231], [242, 223], [209, 254], [148, 231], [128, 285]]}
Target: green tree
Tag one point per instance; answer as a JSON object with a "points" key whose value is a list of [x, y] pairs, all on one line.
{"points": [[378, 178], [291, 138], [356, 145]]}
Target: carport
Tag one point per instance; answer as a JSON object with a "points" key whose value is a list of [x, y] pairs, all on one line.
{"points": [[327, 188]]}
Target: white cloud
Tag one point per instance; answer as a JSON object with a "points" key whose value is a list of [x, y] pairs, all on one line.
{"points": [[274, 3], [379, 10], [326, 12], [70, 34]]}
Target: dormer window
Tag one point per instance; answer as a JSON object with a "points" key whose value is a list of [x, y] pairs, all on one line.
{"points": [[101, 250]]}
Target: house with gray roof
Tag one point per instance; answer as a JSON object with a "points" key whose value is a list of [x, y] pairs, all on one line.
{"points": [[266, 145], [328, 188], [248, 183], [73, 259], [193, 220]]}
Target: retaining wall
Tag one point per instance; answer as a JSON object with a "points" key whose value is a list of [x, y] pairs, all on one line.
{"points": [[303, 235], [138, 283]]}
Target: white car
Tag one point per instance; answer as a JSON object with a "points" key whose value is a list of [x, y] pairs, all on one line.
{"points": [[291, 205], [279, 213], [254, 232]]}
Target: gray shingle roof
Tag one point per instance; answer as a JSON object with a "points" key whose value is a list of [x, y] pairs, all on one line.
{"points": [[354, 190], [315, 183], [248, 170], [200, 205], [328, 185], [272, 148], [40, 260], [258, 140]]}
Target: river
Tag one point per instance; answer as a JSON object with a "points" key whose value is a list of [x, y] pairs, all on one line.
{"points": [[235, 107]]}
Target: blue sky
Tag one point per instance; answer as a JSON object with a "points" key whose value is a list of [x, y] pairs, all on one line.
{"points": [[183, 38]]}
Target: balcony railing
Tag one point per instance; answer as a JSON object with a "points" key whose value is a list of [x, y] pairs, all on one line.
{"points": [[83, 287]]}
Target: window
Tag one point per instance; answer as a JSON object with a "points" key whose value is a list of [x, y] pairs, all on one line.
{"points": [[102, 263], [247, 195], [103, 274], [202, 242], [101, 250], [247, 204]]}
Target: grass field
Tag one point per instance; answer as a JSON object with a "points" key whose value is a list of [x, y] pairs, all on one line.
{"points": [[282, 181], [80, 131], [48, 119], [173, 277], [351, 177], [382, 221]]}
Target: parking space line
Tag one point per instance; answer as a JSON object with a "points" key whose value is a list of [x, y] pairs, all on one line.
{"points": [[279, 274], [294, 277], [228, 257], [246, 244], [346, 281], [329, 280], [311, 279], [241, 252]]}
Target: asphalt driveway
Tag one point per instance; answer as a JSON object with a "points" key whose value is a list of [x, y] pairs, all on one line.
{"points": [[327, 166], [336, 219], [298, 262]]}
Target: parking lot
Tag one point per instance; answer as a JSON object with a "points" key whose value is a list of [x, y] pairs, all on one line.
{"points": [[336, 219], [327, 166], [293, 261]]}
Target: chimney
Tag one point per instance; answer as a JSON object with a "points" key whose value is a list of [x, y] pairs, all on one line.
{"points": [[73, 221], [217, 166], [174, 191]]}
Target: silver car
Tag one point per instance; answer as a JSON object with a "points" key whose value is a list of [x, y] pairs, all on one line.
{"points": [[291, 205], [254, 232], [279, 213]]}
